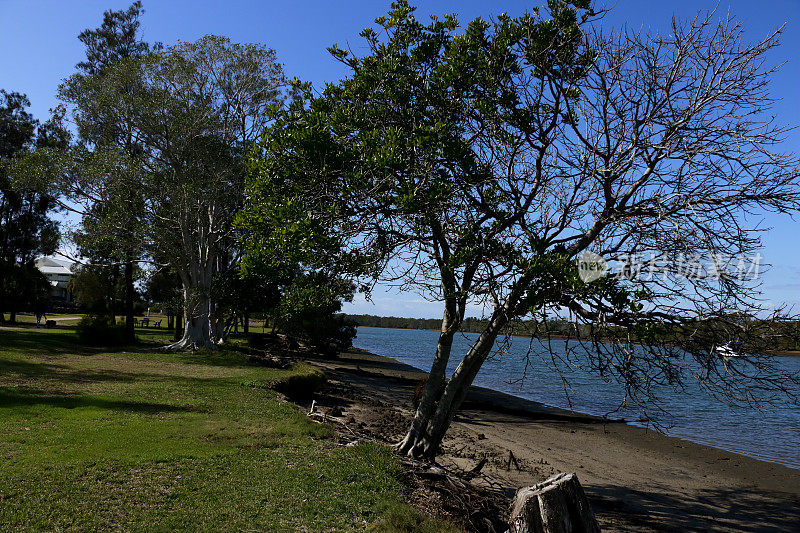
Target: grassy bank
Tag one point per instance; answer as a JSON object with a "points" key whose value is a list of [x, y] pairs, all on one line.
{"points": [[137, 439]]}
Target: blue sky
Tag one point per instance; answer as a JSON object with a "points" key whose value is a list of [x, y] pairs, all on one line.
{"points": [[39, 47]]}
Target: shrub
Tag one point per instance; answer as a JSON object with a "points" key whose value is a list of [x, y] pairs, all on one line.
{"points": [[97, 331], [302, 384], [260, 341], [321, 330]]}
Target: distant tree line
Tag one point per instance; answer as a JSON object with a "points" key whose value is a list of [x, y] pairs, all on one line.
{"points": [[781, 336], [470, 324]]}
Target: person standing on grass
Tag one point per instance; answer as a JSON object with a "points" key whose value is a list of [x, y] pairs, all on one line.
{"points": [[40, 311]]}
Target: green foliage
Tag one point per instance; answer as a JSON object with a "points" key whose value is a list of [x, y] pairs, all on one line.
{"points": [[163, 290], [246, 294], [115, 40], [26, 229], [301, 384], [401, 159], [157, 171], [260, 341], [398, 518], [308, 312], [26, 287], [94, 330], [95, 288]]}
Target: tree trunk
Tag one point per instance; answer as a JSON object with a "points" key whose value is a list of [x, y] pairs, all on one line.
{"points": [[434, 386], [430, 426], [130, 333], [197, 326], [112, 305], [8, 289], [178, 331], [456, 391], [12, 315], [217, 324], [558, 505], [198, 332], [2, 303], [246, 324], [447, 401]]}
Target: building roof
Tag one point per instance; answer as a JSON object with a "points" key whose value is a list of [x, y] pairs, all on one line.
{"points": [[51, 265]]}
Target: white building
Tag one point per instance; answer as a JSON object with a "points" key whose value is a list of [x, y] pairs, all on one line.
{"points": [[58, 273]]}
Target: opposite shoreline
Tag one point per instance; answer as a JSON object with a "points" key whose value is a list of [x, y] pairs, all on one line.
{"points": [[554, 336]]}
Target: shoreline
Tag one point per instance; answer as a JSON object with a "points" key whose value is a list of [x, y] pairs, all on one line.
{"points": [[500, 401], [636, 478]]}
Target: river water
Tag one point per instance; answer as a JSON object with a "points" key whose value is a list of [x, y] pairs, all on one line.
{"points": [[770, 435]]}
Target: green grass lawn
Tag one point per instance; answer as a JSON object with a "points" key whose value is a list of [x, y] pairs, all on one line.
{"points": [[135, 439]]}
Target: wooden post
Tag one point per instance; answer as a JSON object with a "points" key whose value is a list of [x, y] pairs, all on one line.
{"points": [[557, 505]]}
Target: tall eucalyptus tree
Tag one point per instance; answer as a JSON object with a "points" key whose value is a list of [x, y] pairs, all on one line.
{"points": [[189, 113], [204, 106]]}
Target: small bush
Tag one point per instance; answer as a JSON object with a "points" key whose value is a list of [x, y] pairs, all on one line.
{"points": [[325, 333], [140, 308], [96, 331], [302, 384], [260, 341]]}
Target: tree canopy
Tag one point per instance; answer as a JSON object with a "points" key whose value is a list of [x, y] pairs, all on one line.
{"points": [[157, 168], [26, 227]]}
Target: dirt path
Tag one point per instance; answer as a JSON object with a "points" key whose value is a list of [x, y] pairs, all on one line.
{"points": [[637, 480]]}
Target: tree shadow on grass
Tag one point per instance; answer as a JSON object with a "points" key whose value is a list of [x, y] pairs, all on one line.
{"points": [[701, 510], [229, 358], [23, 397], [48, 342], [42, 342], [52, 371]]}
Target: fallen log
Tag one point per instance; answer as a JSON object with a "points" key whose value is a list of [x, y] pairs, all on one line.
{"points": [[557, 505]]}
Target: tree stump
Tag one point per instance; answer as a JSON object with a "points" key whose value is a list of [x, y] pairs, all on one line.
{"points": [[557, 505]]}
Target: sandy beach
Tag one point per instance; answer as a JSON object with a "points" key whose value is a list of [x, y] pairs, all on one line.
{"points": [[636, 479]]}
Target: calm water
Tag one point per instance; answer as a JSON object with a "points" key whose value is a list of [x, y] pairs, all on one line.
{"points": [[773, 435]]}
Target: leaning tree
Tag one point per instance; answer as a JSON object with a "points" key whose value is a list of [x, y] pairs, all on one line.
{"points": [[478, 166]]}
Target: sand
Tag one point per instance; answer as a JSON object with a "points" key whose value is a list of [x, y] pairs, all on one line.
{"points": [[636, 479]]}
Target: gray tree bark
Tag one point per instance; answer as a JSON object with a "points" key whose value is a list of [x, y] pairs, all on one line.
{"points": [[557, 505], [441, 400], [198, 316], [414, 444]]}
